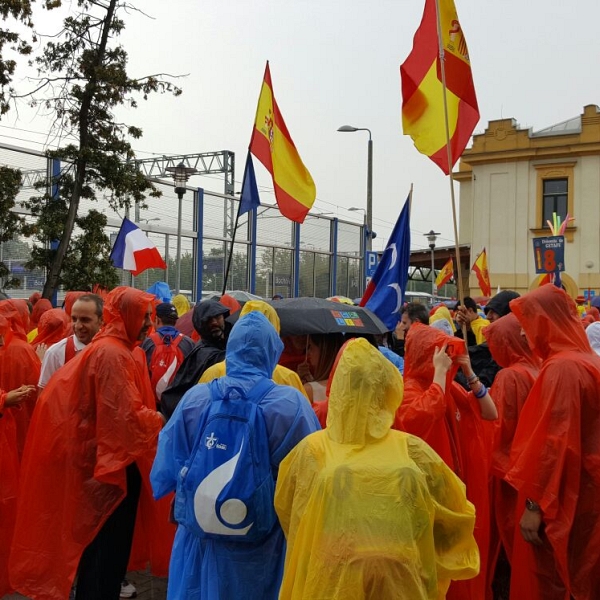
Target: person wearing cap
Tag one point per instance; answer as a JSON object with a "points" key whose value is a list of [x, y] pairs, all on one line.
{"points": [[482, 362], [281, 375], [208, 319], [164, 324], [580, 302]]}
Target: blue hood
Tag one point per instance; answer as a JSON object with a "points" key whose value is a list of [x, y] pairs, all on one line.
{"points": [[253, 347]]}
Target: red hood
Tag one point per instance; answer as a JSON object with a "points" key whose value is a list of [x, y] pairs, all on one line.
{"points": [[550, 320], [39, 308], [421, 341], [16, 313], [124, 312], [506, 343]]}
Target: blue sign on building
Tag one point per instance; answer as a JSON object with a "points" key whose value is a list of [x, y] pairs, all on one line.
{"points": [[549, 253]]}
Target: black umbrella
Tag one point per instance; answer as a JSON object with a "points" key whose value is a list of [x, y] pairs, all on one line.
{"points": [[301, 316]]}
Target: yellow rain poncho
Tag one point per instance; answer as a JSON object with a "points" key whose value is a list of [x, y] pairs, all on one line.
{"points": [[182, 304], [281, 375], [369, 512]]}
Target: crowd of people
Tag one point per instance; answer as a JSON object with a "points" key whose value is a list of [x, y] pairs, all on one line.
{"points": [[455, 458]]}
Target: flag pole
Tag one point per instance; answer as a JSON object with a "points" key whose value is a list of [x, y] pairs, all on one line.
{"points": [[235, 227], [461, 291]]}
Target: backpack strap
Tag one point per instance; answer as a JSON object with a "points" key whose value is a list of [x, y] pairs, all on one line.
{"points": [[257, 393]]}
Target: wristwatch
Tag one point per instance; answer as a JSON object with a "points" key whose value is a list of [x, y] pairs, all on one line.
{"points": [[531, 505]]}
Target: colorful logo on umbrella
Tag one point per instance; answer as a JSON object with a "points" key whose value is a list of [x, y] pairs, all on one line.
{"points": [[346, 317]]}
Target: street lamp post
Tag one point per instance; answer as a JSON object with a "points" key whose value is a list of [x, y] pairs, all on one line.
{"points": [[431, 237], [369, 213], [180, 175]]}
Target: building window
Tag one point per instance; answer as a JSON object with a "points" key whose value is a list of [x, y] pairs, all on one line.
{"points": [[554, 194], [555, 199]]}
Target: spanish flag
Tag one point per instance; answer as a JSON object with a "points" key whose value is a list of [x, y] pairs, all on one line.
{"points": [[483, 275], [271, 143], [445, 275], [423, 93]]}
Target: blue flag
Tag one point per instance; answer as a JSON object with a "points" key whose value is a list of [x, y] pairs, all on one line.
{"points": [[249, 198], [385, 293]]}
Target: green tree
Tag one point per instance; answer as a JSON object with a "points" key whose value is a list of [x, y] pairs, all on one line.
{"points": [[10, 222], [83, 79]]}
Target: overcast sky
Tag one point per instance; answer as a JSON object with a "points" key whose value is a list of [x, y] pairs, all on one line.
{"points": [[336, 62]]}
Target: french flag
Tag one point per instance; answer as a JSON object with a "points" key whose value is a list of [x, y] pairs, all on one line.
{"points": [[134, 252]]}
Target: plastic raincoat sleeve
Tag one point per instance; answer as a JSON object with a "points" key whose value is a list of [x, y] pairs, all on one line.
{"points": [[457, 555], [120, 439], [419, 413]]}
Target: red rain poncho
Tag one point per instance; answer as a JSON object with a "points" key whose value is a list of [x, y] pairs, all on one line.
{"points": [[555, 454], [39, 308], [19, 364], [451, 424], [89, 424], [511, 386], [9, 472], [70, 299], [54, 325]]}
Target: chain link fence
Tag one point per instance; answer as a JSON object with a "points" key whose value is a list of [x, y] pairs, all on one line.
{"points": [[271, 255]]}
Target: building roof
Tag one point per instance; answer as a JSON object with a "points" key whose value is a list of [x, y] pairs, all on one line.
{"points": [[567, 127]]}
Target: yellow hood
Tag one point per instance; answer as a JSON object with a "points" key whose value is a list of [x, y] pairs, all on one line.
{"points": [[366, 390]]}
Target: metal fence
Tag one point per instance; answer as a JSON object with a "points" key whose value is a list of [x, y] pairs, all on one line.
{"points": [[271, 255]]}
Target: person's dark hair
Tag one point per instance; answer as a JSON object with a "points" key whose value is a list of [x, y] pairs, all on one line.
{"points": [[329, 345], [470, 303], [417, 313], [95, 299]]}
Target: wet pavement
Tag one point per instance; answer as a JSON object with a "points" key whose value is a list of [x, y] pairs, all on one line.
{"points": [[148, 587]]}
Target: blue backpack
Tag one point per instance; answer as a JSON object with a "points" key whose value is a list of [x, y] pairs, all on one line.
{"points": [[226, 488]]}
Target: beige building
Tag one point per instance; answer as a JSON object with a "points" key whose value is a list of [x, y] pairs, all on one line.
{"points": [[513, 179]]}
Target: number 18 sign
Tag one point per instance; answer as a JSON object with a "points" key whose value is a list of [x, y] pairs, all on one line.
{"points": [[549, 254]]}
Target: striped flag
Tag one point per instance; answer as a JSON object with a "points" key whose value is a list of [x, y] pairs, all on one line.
{"points": [[422, 91], [272, 144]]}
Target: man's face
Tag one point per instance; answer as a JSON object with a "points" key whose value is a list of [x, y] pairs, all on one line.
{"points": [[146, 324], [215, 326], [86, 323], [492, 316], [405, 323]]}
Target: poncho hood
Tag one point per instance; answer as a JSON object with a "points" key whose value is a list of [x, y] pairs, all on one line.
{"points": [[253, 347], [125, 309], [550, 320], [366, 390], [506, 343]]}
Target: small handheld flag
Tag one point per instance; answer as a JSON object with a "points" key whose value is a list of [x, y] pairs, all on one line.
{"points": [[134, 252], [445, 275], [483, 275]]}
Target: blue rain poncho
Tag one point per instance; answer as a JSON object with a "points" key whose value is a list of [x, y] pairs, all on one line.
{"points": [[211, 568], [370, 512]]}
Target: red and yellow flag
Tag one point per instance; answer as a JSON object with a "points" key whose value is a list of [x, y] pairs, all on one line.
{"points": [[423, 93], [445, 275], [271, 143], [483, 275]]}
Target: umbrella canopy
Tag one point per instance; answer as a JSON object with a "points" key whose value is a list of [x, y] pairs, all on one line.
{"points": [[301, 316], [342, 300]]}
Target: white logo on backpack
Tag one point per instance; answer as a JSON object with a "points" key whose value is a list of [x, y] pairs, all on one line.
{"points": [[233, 511]]}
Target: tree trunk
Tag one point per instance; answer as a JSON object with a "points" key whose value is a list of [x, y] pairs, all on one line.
{"points": [[52, 281]]}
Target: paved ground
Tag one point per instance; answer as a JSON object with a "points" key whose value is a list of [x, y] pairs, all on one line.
{"points": [[148, 587]]}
